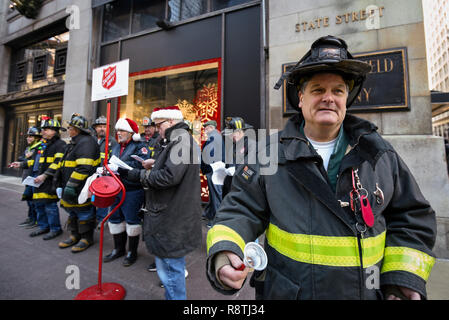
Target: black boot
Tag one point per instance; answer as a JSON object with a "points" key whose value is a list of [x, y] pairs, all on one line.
{"points": [[86, 231], [72, 227], [131, 256], [119, 247]]}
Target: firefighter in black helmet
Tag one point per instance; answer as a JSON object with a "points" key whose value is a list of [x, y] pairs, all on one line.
{"points": [[343, 216], [45, 166], [27, 162], [81, 158]]}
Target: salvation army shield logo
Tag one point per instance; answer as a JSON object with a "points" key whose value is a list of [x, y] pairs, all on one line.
{"points": [[109, 77]]}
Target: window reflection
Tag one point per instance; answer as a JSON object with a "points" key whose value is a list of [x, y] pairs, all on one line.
{"points": [[34, 66], [116, 19], [146, 13], [184, 9]]}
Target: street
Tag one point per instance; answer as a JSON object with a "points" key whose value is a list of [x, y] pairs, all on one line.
{"points": [[34, 269]]}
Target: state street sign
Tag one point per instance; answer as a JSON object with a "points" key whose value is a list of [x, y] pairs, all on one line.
{"points": [[110, 81]]}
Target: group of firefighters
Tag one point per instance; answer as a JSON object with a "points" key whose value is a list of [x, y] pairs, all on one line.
{"points": [[60, 171]]}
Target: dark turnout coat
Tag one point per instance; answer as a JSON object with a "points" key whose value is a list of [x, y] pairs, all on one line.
{"points": [[172, 222], [314, 248]]}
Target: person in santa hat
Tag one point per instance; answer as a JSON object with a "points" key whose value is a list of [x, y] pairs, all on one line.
{"points": [[172, 223], [125, 223]]}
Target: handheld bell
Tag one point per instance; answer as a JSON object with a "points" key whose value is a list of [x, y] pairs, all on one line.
{"points": [[254, 256]]}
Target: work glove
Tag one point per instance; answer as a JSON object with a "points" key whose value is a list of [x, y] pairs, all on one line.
{"points": [[69, 195]]}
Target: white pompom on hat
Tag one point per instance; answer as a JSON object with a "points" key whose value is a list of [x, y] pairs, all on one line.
{"points": [[128, 125], [171, 112]]}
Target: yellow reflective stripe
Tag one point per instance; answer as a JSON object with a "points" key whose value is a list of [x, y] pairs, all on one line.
{"points": [[42, 195], [85, 161], [78, 176], [59, 155], [326, 250], [69, 164], [41, 160], [373, 249], [408, 259], [223, 233], [238, 124], [30, 163], [69, 205], [54, 166]]}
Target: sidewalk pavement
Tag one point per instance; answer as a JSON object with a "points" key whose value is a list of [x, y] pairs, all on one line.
{"points": [[34, 269]]}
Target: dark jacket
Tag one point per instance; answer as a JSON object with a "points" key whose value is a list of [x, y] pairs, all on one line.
{"points": [[172, 223], [132, 148], [51, 155], [314, 248], [80, 159], [102, 145]]}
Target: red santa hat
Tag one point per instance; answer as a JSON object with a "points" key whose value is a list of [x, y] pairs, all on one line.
{"points": [[171, 112], [128, 125]]}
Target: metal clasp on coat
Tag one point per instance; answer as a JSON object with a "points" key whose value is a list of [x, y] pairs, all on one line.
{"points": [[379, 195]]}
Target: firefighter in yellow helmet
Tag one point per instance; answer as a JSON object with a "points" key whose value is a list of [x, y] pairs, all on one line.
{"points": [[343, 216]]}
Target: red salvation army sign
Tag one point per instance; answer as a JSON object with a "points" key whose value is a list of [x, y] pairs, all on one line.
{"points": [[110, 81]]}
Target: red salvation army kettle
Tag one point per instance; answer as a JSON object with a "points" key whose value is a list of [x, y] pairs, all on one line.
{"points": [[104, 191]]}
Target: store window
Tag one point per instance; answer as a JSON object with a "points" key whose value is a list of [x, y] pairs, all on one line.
{"points": [[193, 87]]}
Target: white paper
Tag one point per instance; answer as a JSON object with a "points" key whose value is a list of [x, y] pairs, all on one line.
{"points": [[219, 173], [136, 157], [29, 181], [119, 163]]}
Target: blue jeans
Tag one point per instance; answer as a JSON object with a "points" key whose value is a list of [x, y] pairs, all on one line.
{"points": [[101, 213], [32, 214], [129, 209], [82, 215], [171, 274], [48, 215]]}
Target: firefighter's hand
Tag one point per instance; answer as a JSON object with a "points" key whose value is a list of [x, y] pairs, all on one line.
{"points": [[40, 179], [401, 293], [229, 274], [148, 164]]}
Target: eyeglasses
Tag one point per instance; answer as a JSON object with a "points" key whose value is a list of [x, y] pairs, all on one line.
{"points": [[158, 125]]}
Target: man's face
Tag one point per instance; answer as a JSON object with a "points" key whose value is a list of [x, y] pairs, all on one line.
{"points": [[323, 101], [208, 129], [73, 132], [101, 130], [123, 136], [237, 135], [162, 125], [147, 130], [48, 133]]}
